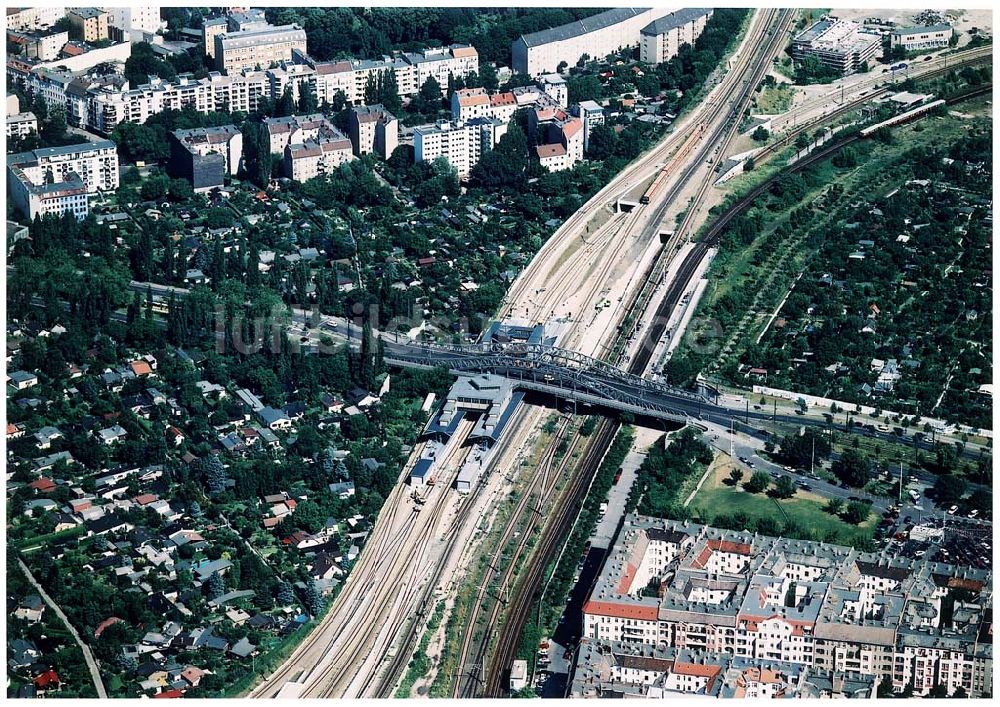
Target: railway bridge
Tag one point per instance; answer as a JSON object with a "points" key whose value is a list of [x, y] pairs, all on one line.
{"points": [[558, 372]]}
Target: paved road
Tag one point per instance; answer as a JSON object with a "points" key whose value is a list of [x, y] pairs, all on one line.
{"points": [[607, 527], [95, 673]]}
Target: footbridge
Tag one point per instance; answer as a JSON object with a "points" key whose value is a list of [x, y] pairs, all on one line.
{"points": [[555, 371]]}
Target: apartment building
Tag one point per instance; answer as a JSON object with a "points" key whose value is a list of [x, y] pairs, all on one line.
{"points": [[839, 44], [21, 124], [554, 86], [661, 39], [560, 137], [373, 129], [257, 48], [59, 179], [43, 46], [317, 156], [605, 33], [918, 38], [210, 29], [206, 156], [591, 115], [91, 22], [826, 607], [461, 143], [636, 670], [296, 129], [132, 23], [104, 106], [27, 19]]}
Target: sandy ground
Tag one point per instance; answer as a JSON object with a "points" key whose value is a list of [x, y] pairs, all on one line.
{"points": [[962, 20]]}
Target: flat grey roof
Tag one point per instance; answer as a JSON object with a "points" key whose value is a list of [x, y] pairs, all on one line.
{"points": [[675, 20], [921, 30], [581, 27]]}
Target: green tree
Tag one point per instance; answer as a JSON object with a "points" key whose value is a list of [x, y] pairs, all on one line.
{"points": [[784, 487], [758, 482], [307, 99], [856, 512], [735, 475], [760, 134], [853, 468]]}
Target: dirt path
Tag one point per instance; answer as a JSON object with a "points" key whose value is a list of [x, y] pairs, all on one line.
{"points": [[95, 673]]}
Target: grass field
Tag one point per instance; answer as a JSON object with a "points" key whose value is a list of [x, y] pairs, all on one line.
{"points": [[774, 99], [804, 508]]}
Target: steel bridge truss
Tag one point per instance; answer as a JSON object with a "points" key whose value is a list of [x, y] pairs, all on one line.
{"points": [[560, 372]]}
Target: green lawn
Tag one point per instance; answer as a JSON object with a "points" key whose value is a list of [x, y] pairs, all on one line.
{"points": [[775, 99], [806, 509]]}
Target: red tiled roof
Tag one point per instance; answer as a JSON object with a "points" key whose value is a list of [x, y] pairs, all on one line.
{"points": [[168, 694], [43, 485], [49, 677], [627, 576], [110, 621], [141, 368], [553, 150], [620, 610]]}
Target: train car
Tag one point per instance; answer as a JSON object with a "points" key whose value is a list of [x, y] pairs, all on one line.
{"points": [[903, 117], [661, 177]]}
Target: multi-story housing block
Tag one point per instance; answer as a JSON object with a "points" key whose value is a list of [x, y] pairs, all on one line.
{"points": [[661, 39], [257, 48], [59, 179], [461, 143], [21, 124], [26, 19], [828, 608], [296, 129], [91, 22], [131, 23], [317, 156], [592, 115], [43, 46], [605, 33], [205, 156], [373, 129]]}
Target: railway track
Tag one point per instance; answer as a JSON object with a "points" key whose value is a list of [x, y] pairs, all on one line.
{"points": [[718, 228], [544, 481], [571, 501]]}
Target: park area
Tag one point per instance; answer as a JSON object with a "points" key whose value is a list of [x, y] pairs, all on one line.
{"points": [[803, 510]]}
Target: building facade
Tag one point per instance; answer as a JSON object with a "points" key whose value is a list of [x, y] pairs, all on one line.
{"points": [[461, 143], [91, 22], [317, 156], [59, 179], [257, 48], [23, 19], [605, 33], [825, 607], [206, 156], [131, 22], [21, 124], [374, 129], [841, 45], [917, 38], [661, 39], [296, 129]]}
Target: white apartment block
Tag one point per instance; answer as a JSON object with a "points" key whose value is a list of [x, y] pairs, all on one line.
{"points": [[461, 143], [605, 33], [40, 45], [133, 22], [257, 48], [555, 87], [316, 157], [24, 19], [59, 179], [824, 607], [917, 38], [661, 39], [592, 115], [105, 104], [374, 129], [21, 124]]}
